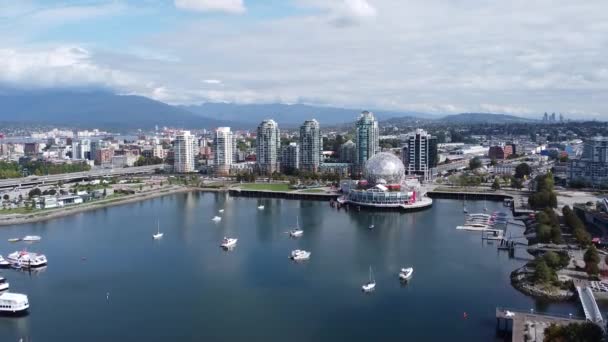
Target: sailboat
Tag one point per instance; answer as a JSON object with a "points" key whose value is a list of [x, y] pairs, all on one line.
{"points": [[371, 226], [464, 204], [371, 284], [296, 232], [158, 234], [485, 206]]}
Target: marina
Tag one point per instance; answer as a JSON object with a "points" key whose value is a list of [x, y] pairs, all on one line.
{"points": [[111, 253]]}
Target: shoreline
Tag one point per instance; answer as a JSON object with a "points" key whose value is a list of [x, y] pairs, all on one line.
{"points": [[17, 219]]}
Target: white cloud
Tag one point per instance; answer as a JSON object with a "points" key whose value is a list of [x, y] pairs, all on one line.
{"points": [[212, 81], [343, 12], [227, 6]]}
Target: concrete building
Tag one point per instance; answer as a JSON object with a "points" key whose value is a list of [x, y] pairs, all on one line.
{"points": [[591, 169], [185, 148], [104, 156], [367, 137], [420, 154], [224, 150], [81, 149], [310, 146], [268, 147], [290, 158], [31, 149]]}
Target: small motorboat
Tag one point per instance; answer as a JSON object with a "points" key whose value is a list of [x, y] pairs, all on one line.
{"points": [[221, 210], [31, 238], [4, 263], [216, 219], [4, 285], [371, 284], [228, 242], [299, 255], [261, 207], [406, 273], [14, 239]]}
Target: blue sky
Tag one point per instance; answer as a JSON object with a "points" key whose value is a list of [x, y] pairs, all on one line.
{"points": [[519, 57]]}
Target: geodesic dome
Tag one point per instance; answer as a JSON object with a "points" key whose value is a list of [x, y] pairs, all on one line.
{"points": [[384, 168]]}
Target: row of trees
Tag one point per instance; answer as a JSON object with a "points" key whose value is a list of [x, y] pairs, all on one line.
{"points": [[544, 197], [588, 332], [39, 168], [144, 161], [578, 227], [548, 229]]}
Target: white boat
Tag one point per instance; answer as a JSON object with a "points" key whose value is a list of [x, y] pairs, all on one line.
{"points": [[27, 259], [261, 207], [31, 238], [371, 284], [3, 284], [299, 254], [216, 219], [296, 232], [221, 211], [371, 226], [13, 302], [228, 242], [406, 273], [14, 239], [158, 234], [4, 263]]}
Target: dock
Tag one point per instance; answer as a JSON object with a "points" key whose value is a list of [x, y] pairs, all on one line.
{"points": [[529, 326]]}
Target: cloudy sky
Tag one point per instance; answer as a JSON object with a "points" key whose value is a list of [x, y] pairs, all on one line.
{"points": [[439, 56]]}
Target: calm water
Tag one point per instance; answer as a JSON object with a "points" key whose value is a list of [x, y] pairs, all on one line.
{"points": [[185, 287]]}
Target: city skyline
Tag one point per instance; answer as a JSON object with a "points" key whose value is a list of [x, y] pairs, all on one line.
{"points": [[439, 62]]}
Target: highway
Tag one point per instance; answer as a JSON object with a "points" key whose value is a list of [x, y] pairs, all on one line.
{"points": [[66, 177]]}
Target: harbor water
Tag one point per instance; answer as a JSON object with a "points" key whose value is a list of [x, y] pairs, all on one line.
{"points": [[108, 280]]}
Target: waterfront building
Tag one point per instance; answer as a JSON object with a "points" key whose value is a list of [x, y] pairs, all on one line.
{"points": [[385, 186], [268, 147], [184, 157], [341, 169], [81, 149], [367, 137], [290, 158], [310, 146], [420, 154], [348, 152], [224, 150], [591, 169]]}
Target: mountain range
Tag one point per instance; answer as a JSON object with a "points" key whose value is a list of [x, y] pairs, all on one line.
{"points": [[94, 108]]}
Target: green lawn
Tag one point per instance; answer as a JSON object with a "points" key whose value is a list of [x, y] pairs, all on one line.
{"points": [[264, 186]]}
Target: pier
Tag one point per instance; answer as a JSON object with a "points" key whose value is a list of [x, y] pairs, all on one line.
{"points": [[283, 194], [528, 325]]}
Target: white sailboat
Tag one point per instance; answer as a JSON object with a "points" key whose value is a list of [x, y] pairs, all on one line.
{"points": [[464, 204], [485, 206], [296, 232], [261, 207], [158, 234], [371, 226], [216, 219], [371, 284]]}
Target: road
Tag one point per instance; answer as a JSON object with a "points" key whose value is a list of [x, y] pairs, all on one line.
{"points": [[66, 177]]}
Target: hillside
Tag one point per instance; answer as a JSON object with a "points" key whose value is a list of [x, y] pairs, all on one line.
{"points": [[476, 118], [96, 108]]}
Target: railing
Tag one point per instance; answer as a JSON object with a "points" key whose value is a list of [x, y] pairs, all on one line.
{"points": [[534, 312], [592, 311]]}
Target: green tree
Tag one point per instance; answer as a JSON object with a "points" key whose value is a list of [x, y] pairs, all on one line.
{"points": [[516, 183], [552, 259], [542, 272], [34, 192], [493, 162], [592, 259], [496, 184], [522, 170], [475, 163], [6, 197], [574, 332]]}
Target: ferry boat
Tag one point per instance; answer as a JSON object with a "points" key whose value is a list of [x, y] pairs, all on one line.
{"points": [[3, 284], [216, 219], [13, 302], [299, 254], [31, 238], [229, 242], [27, 259], [371, 284], [406, 273], [4, 263]]}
